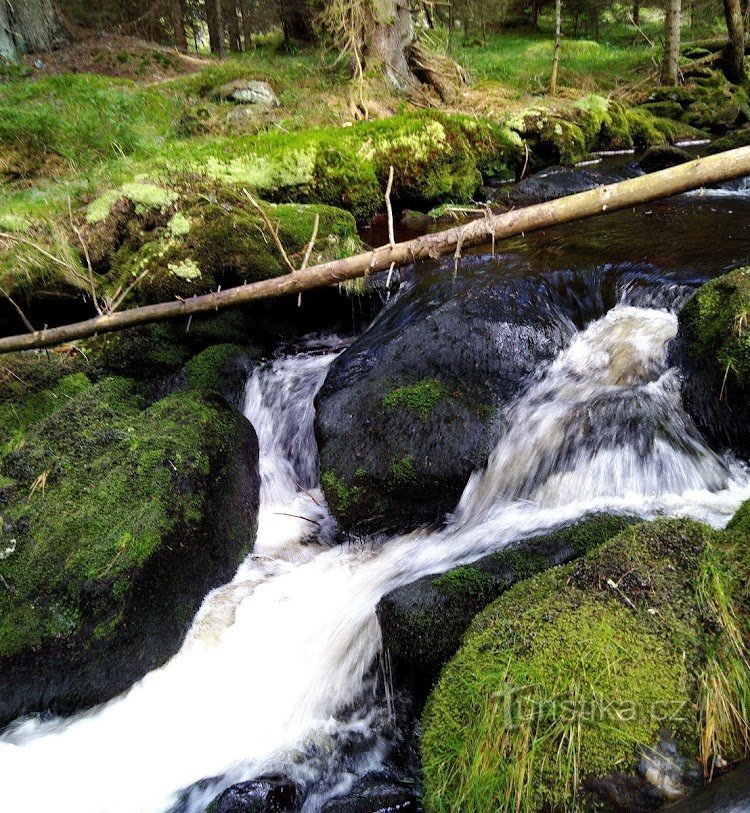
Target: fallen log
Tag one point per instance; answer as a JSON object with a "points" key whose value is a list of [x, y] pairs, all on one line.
{"points": [[692, 175]]}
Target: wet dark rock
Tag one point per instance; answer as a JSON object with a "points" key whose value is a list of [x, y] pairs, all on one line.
{"points": [[409, 410], [556, 182], [712, 350], [663, 157], [726, 794], [423, 623], [273, 794], [376, 795]]}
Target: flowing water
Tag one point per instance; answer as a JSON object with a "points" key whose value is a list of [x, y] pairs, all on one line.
{"points": [[279, 673]]}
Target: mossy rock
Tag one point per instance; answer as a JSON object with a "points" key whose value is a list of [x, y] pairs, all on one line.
{"points": [[223, 369], [436, 157], [118, 517], [713, 349], [223, 241], [707, 102], [577, 673], [731, 141], [553, 137], [423, 623]]}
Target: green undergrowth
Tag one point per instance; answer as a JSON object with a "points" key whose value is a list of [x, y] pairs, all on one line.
{"points": [[77, 120], [573, 672], [95, 482], [521, 62]]}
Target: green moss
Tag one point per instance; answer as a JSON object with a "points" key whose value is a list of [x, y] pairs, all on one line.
{"points": [[715, 321], [17, 416], [647, 130], [205, 370], [421, 397], [100, 485], [462, 580], [144, 195], [340, 496], [403, 471], [568, 673]]}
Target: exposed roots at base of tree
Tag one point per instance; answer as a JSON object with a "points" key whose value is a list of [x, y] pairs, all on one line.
{"points": [[436, 73]]}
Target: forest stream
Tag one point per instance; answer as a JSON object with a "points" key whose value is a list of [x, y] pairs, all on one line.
{"points": [[282, 672]]}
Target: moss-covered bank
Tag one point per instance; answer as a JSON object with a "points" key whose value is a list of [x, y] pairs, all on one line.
{"points": [[578, 672], [713, 348], [117, 516]]}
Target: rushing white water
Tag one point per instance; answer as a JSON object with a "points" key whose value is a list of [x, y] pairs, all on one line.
{"points": [[277, 669]]}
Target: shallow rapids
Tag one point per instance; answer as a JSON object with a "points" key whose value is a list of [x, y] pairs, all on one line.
{"points": [[277, 671]]}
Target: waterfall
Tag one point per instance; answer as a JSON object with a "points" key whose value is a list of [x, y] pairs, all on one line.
{"points": [[276, 672]]}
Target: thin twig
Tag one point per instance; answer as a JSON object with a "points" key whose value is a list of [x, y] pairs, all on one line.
{"points": [[296, 516], [27, 324], [115, 304], [78, 234], [389, 208], [311, 243], [274, 232]]}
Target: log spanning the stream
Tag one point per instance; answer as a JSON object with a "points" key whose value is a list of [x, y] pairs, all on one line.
{"points": [[692, 175]]}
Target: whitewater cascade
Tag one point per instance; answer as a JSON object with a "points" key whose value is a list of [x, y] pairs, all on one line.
{"points": [[277, 670]]}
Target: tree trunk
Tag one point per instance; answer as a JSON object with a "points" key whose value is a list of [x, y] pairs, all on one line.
{"points": [[734, 53], [387, 43], [222, 48], [636, 12], [671, 43], [28, 26], [535, 14], [247, 25], [233, 25], [178, 23], [556, 52], [623, 195], [296, 20], [212, 25]]}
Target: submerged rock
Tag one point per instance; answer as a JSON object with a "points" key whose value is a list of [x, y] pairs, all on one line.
{"points": [[377, 795], [265, 795], [713, 351], [662, 157], [561, 678], [424, 622], [726, 794], [117, 518], [409, 410]]}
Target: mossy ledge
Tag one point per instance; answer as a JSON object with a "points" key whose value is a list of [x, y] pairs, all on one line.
{"points": [[713, 350], [423, 623], [117, 517], [577, 673]]}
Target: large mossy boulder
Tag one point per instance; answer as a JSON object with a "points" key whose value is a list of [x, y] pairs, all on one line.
{"points": [[423, 623], [117, 516], [707, 101], [200, 239], [572, 688], [713, 352], [566, 135], [410, 409]]}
